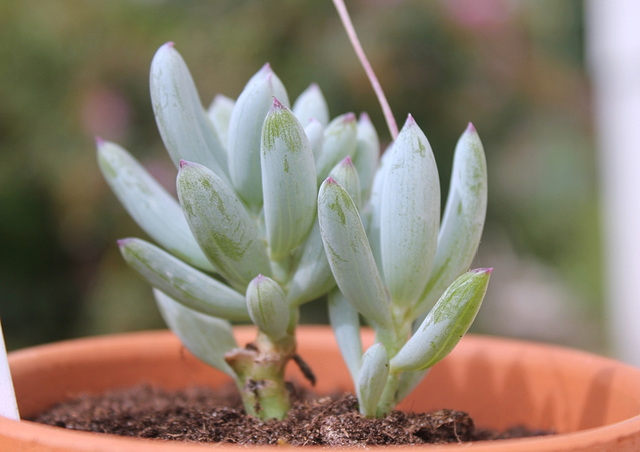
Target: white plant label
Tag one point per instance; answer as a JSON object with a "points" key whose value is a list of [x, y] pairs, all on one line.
{"points": [[8, 405]]}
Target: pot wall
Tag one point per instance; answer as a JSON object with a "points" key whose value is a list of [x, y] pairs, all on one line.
{"points": [[588, 399]]}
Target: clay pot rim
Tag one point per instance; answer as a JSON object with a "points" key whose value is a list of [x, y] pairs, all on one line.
{"points": [[59, 438]]}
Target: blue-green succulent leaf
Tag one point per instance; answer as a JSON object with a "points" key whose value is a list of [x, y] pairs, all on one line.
{"points": [[340, 138], [207, 338], [288, 182], [219, 113], [367, 155], [312, 277], [184, 126], [445, 324], [346, 327], [463, 218], [410, 216], [372, 378], [374, 207], [349, 254], [346, 174], [245, 132], [267, 307], [311, 104], [221, 225], [182, 282], [149, 204], [315, 133]]}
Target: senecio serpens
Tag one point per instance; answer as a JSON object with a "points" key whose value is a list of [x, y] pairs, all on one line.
{"points": [[252, 237]]}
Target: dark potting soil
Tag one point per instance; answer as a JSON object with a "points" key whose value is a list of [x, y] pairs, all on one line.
{"points": [[206, 415]]}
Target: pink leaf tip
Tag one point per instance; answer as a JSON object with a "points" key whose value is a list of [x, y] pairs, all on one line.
{"points": [[364, 117], [471, 128], [488, 270], [330, 180], [347, 161], [277, 104], [349, 117], [170, 44], [99, 141], [184, 163], [123, 242]]}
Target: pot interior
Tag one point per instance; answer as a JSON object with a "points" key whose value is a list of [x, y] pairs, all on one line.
{"points": [[499, 383]]}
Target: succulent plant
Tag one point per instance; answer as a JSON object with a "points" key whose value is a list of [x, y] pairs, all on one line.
{"points": [[251, 238], [242, 242], [405, 272]]}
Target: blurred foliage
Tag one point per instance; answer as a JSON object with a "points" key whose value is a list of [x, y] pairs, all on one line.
{"points": [[76, 69]]}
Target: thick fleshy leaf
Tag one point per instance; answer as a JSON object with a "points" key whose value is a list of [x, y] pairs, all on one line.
{"points": [[184, 126], [463, 218], [372, 378], [149, 204], [221, 225], [311, 104], [346, 175], [340, 138], [315, 133], [410, 216], [445, 324], [374, 207], [219, 113], [207, 338], [245, 132], [367, 155], [312, 277], [288, 183], [267, 307], [349, 254], [346, 328], [183, 283]]}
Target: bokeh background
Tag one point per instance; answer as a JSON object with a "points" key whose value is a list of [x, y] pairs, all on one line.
{"points": [[71, 70]]}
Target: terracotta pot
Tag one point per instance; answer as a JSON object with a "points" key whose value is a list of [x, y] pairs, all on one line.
{"points": [[592, 402]]}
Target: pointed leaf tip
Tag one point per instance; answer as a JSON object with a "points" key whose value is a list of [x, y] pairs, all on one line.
{"points": [[330, 180], [123, 242], [410, 120], [471, 128], [170, 44], [349, 117], [277, 104], [488, 270], [347, 161], [99, 141], [364, 117]]}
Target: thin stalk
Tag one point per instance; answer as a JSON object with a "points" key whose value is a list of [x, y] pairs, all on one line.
{"points": [[355, 42]]}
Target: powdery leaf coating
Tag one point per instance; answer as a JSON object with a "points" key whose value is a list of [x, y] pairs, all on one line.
{"points": [[245, 131], [311, 104], [267, 307], [182, 121], [221, 225], [349, 254], [340, 138], [181, 282], [372, 377], [288, 183], [463, 218], [410, 216], [208, 338], [149, 204], [445, 324]]}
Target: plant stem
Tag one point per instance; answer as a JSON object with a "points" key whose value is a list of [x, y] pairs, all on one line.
{"points": [[260, 371], [355, 42]]}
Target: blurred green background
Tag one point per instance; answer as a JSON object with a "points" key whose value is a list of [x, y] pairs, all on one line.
{"points": [[75, 69]]}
